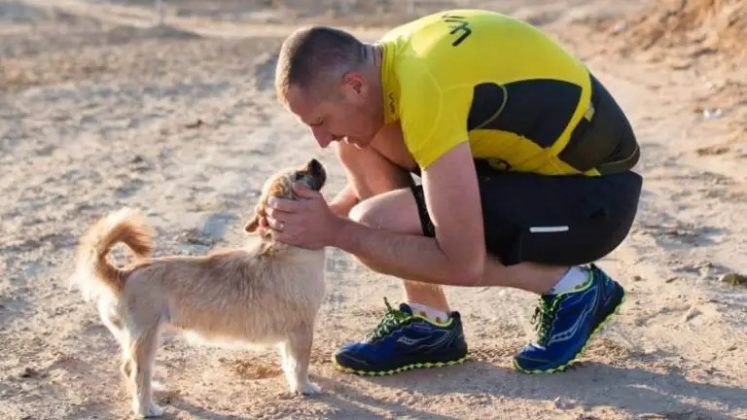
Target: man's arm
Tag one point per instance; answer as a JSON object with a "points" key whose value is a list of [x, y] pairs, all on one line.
{"points": [[456, 256], [343, 201]]}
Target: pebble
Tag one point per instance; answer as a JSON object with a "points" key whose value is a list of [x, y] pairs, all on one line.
{"points": [[690, 314], [29, 372], [562, 404], [734, 279], [713, 113]]}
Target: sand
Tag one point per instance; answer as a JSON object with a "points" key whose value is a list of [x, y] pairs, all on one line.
{"points": [[100, 109]]}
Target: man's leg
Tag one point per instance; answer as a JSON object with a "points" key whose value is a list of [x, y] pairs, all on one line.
{"points": [[574, 303], [379, 169], [556, 221], [397, 211], [422, 332]]}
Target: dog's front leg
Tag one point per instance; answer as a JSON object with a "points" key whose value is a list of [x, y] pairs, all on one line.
{"points": [[295, 353]]}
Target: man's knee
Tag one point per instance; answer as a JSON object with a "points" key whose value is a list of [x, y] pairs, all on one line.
{"points": [[366, 213], [393, 211]]}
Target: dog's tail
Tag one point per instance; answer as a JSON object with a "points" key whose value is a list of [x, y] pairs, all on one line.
{"points": [[93, 272]]}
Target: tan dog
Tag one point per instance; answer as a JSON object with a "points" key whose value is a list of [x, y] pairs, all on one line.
{"points": [[268, 294]]}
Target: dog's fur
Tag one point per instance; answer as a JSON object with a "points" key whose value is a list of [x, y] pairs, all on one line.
{"points": [[268, 294]]}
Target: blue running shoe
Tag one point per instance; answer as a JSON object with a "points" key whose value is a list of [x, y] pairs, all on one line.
{"points": [[404, 341], [566, 321]]}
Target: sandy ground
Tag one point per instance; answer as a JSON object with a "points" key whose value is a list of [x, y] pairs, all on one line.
{"points": [[99, 109]]}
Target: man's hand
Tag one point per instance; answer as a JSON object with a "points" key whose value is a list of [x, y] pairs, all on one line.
{"points": [[307, 222]]}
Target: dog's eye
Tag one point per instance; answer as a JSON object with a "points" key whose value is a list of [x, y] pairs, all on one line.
{"points": [[297, 176]]}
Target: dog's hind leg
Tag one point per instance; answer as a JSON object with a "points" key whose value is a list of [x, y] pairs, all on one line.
{"points": [[126, 366], [111, 320], [142, 350], [295, 353], [114, 324]]}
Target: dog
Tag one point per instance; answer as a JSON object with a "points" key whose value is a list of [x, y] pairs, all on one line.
{"points": [[265, 294]]}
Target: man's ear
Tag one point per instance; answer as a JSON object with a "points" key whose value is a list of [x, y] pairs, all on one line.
{"points": [[354, 80]]}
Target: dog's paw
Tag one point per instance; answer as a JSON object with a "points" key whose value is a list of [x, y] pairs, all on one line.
{"points": [[152, 411], [310, 388]]}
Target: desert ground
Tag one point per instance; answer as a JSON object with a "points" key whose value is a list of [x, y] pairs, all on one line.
{"points": [[101, 107]]}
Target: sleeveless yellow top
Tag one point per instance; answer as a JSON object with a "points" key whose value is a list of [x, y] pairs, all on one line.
{"points": [[502, 85]]}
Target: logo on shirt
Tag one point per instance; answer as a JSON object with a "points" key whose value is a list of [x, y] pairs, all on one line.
{"points": [[459, 25]]}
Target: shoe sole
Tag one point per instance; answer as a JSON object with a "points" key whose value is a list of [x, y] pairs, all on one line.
{"points": [[573, 360], [426, 365]]}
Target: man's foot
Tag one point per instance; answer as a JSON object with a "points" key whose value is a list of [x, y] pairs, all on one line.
{"points": [[566, 321], [403, 341]]}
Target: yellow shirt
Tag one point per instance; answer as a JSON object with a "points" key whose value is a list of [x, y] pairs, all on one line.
{"points": [[482, 77]]}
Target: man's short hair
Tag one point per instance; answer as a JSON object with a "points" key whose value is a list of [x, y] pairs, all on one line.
{"points": [[314, 54]]}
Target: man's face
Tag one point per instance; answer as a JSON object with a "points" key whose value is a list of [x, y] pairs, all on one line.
{"points": [[345, 115]]}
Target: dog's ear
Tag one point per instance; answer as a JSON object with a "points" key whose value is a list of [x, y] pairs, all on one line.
{"points": [[252, 224]]}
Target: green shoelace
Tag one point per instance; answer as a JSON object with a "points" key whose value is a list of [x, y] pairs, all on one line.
{"points": [[393, 319], [544, 315]]}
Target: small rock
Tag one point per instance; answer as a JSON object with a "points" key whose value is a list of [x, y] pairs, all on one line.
{"points": [[562, 404], [734, 279], [712, 150], [706, 265], [671, 279], [690, 314], [637, 278], [713, 113], [619, 26], [681, 65], [731, 348], [29, 373], [195, 124]]}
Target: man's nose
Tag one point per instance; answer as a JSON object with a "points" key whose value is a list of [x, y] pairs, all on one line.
{"points": [[322, 136]]}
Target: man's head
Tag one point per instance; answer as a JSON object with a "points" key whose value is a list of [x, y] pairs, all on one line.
{"points": [[330, 80]]}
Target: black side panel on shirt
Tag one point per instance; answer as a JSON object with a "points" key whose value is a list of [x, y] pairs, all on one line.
{"points": [[537, 109]]}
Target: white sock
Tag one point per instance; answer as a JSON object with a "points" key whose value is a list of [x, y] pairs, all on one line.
{"points": [[425, 311], [573, 279]]}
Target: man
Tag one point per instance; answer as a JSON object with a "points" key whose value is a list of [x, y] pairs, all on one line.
{"points": [[525, 166]]}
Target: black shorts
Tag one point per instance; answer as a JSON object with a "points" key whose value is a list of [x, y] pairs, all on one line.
{"points": [[562, 220]]}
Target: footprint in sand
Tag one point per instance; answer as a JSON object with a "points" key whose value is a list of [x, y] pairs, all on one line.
{"points": [[253, 369], [129, 189]]}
